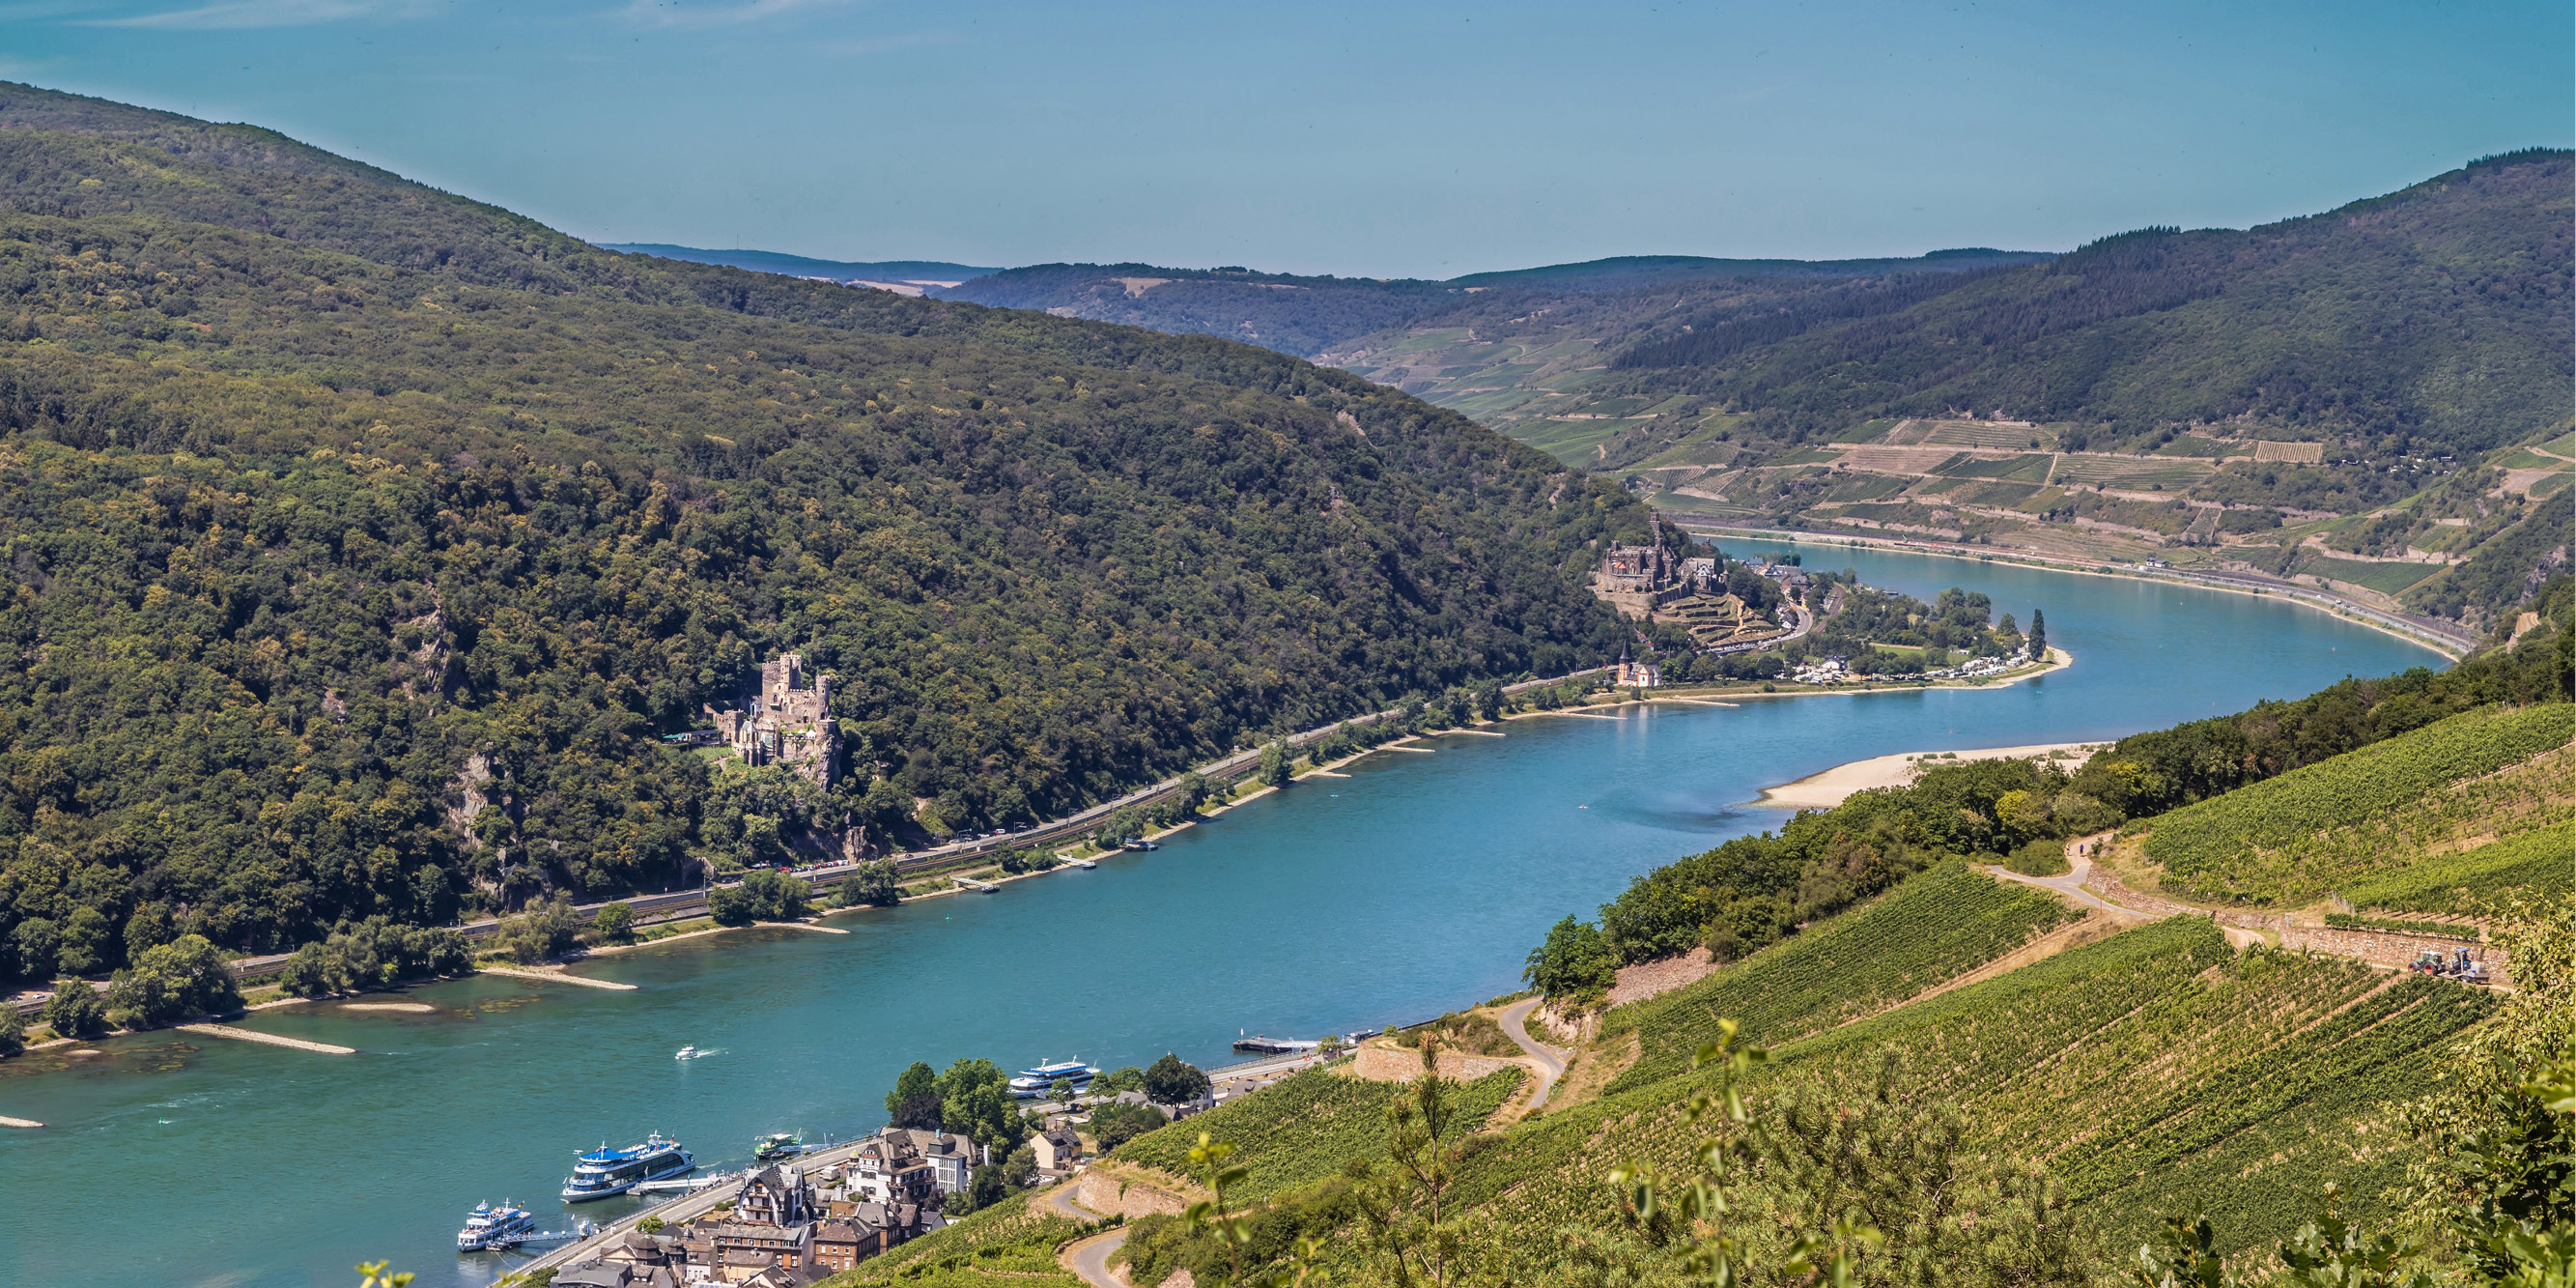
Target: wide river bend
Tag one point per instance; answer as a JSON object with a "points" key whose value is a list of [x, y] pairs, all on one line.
{"points": [[1413, 886]]}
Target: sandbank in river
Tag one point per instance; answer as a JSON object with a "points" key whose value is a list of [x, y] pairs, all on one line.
{"points": [[1836, 785]]}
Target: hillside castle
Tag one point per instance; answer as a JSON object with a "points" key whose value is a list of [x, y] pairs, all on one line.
{"points": [[789, 722]]}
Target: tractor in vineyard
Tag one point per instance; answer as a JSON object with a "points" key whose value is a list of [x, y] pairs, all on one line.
{"points": [[2458, 965]]}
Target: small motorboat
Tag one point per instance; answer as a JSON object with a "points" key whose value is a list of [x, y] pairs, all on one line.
{"points": [[777, 1145], [689, 1052]]}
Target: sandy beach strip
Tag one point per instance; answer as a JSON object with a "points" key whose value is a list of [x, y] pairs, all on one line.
{"points": [[1836, 785]]}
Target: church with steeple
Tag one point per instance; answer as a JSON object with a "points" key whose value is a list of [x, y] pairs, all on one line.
{"points": [[1635, 675]]}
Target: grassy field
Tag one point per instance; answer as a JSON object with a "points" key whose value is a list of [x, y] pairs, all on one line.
{"points": [[2293, 838], [2386, 578]]}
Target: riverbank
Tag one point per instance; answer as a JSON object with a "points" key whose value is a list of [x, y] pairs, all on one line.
{"points": [[2450, 640], [1840, 783], [1736, 692], [1416, 870]]}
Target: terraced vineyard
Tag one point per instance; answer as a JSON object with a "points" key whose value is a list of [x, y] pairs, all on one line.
{"points": [[2149, 1070], [1987, 434], [2292, 838], [2158, 1068], [1935, 926], [2473, 881], [2018, 469], [1011, 1243], [2172, 474], [2386, 578], [1303, 1129]]}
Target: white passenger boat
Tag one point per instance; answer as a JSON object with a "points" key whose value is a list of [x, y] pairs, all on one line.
{"points": [[505, 1225], [1037, 1081], [604, 1172]]}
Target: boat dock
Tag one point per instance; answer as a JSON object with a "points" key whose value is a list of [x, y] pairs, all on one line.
{"points": [[678, 1184], [583, 1231], [675, 1211], [1261, 1045], [971, 883]]}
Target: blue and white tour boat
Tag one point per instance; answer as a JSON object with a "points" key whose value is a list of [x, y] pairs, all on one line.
{"points": [[603, 1171]]}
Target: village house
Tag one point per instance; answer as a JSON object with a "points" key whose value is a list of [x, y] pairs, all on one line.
{"points": [[650, 1260], [909, 1165], [743, 1247], [839, 1245], [1057, 1148], [776, 1196]]}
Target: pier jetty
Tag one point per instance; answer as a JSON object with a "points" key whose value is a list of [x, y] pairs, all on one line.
{"points": [[270, 1039], [1265, 1045], [557, 977]]}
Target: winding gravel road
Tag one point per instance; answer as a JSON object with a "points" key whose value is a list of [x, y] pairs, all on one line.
{"points": [[1550, 1061], [1089, 1258]]}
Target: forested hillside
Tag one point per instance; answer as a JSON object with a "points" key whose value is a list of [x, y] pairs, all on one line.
{"points": [[363, 540], [2376, 397], [1311, 316]]}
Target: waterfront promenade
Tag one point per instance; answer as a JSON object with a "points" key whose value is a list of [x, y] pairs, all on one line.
{"points": [[677, 1211]]}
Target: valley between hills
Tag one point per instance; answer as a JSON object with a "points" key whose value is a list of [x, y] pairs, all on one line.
{"points": [[381, 559]]}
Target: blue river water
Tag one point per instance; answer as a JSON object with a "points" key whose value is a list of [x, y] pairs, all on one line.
{"points": [[1412, 886]]}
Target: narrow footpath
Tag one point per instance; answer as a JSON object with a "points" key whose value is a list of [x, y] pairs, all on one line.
{"points": [[1550, 1061], [1087, 1258], [2079, 869]]}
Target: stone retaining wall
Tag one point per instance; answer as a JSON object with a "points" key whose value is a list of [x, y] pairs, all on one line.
{"points": [[1115, 1195], [2377, 947], [1395, 1064], [2385, 948]]}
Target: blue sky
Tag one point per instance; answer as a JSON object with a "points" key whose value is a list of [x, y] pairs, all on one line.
{"points": [[1380, 139]]}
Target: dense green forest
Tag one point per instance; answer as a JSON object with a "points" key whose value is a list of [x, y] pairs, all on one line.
{"points": [[1310, 316], [362, 540], [2429, 321]]}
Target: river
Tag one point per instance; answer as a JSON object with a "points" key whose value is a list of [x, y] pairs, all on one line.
{"points": [[1412, 886]]}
